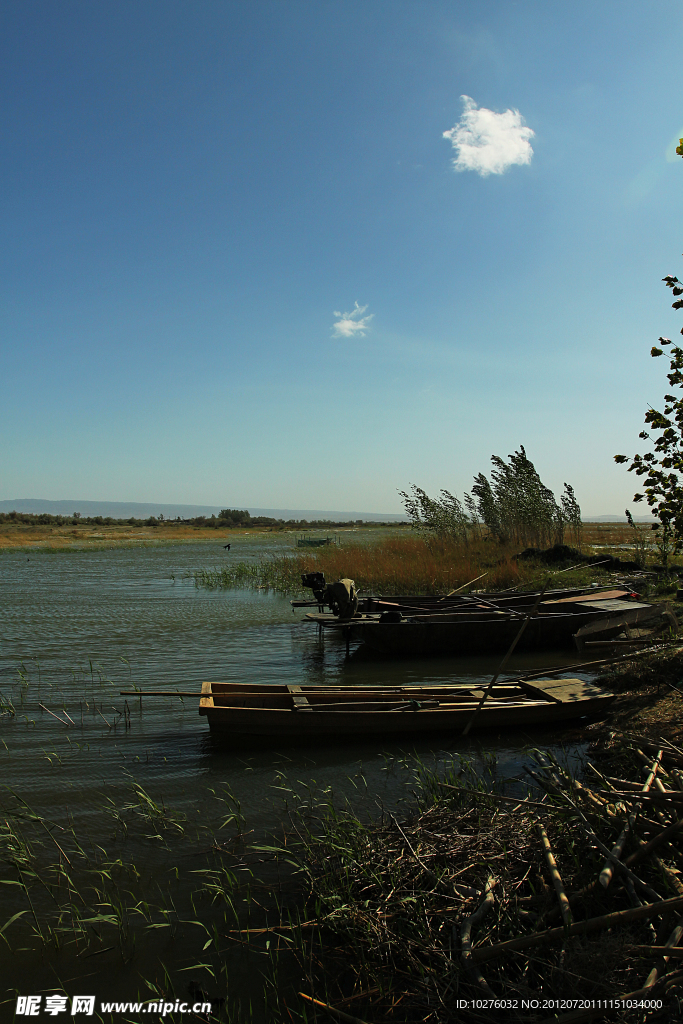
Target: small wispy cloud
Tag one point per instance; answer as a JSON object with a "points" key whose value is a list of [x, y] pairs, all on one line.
{"points": [[489, 143], [352, 323]]}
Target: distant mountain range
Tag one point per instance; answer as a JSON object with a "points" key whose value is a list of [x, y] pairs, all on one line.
{"points": [[618, 519], [144, 509]]}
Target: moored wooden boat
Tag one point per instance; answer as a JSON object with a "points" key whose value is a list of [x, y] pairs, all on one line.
{"points": [[310, 713], [489, 631], [373, 604]]}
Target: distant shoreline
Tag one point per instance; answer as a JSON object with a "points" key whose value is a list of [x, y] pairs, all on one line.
{"points": [[145, 509], [88, 533]]}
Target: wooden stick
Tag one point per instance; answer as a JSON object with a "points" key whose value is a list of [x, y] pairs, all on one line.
{"points": [[671, 876], [60, 720], [647, 848], [598, 801], [521, 801], [458, 589], [444, 689], [673, 940], [673, 951], [671, 751], [555, 875], [618, 917], [339, 1014], [668, 797], [466, 937], [644, 850], [506, 658], [617, 849], [275, 928], [610, 856], [594, 664]]}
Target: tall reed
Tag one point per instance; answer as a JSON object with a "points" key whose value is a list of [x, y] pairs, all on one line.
{"points": [[410, 564]]}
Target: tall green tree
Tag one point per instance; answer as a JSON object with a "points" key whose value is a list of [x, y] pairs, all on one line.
{"points": [[662, 468]]}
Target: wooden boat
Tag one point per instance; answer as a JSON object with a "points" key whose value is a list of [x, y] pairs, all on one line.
{"points": [[604, 630], [502, 599], [487, 630], [299, 713], [372, 604]]}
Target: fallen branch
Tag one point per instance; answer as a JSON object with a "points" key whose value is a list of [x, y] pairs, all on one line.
{"points": [[466, 937], [593, 924], [556, 877], [339, 1014]]}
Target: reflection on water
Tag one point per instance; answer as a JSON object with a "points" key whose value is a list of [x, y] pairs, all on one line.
{"points": [[77, 627]]}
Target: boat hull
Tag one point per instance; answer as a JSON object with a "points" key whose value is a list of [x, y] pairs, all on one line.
{"points": [[463, 635], [314, 716]]}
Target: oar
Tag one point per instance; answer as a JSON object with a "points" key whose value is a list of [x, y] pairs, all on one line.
{"points": [[346, 691], [161, 693]]}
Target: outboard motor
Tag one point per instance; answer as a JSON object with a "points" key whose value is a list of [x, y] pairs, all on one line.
{"points": [[315, 581]]}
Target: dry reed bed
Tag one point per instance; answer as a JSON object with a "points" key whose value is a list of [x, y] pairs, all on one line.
{"points": [[565, 895], [395, 565]]}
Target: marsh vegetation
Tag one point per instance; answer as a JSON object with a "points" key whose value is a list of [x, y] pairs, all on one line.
{"points": [[400, 562]]}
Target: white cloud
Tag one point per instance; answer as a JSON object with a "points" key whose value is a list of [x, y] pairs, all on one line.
{"points": [[351, 324], [489, 143]]}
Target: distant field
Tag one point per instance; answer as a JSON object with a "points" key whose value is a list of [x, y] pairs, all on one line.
{"points": [[614, 535], [92, 536], [610, 538]]}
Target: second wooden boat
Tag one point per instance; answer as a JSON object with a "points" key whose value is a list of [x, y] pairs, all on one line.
{"points": [[310, 713], [482, 632]]}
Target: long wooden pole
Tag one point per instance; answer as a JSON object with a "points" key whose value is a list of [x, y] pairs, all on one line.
{"points": [[594, 664], [504, 662], [408, 693], [458, 589]]}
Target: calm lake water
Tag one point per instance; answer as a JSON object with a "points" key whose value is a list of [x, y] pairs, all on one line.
{"points": [[77, 627]]}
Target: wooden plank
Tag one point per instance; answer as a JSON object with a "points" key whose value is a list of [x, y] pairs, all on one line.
{"points": [[563, 691], [301, 703], [604, 595], [538, 691], [206, 700]]}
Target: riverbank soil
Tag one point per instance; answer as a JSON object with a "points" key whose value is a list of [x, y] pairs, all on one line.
{"points": [[650, 696]]}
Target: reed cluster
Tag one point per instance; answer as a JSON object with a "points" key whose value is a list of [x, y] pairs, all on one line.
{"points": [[162, 923], [494, 903], [408, 564], [513, 506]]}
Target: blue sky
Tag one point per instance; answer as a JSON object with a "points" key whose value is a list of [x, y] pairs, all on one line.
{"points": [[192, 190]]}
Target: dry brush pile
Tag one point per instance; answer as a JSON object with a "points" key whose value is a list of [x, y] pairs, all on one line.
{"points": [[488, 906]]}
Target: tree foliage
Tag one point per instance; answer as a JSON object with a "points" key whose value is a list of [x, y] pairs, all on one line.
{"points": [[662, 468]]}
